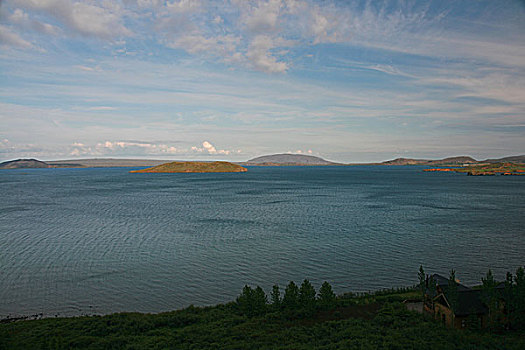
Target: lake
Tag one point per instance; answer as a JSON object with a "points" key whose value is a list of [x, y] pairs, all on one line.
{"points": [[102, 240]]}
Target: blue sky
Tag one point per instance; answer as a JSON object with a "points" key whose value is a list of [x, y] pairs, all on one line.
{"points": [[350, 81]]}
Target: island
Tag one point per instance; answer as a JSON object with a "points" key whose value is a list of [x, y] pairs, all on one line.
{"points": [[486, 169], [194, 167]]}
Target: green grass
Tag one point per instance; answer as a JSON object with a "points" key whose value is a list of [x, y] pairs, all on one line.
{"points": [[374, 321]]}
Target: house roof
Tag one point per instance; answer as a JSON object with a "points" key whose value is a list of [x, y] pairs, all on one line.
{"points": [[442, 282], [469, 302]]}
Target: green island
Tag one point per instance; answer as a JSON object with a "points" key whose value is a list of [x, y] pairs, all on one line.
{"points": [[486, 169], [299, 318], [194, 167]]}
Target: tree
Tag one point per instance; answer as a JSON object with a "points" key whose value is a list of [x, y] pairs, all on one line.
{"points": [[276, 297], [245, 301], [307, 295], [259, 301], [452, 291], [519, 299], [508, 292], [291, 296], [432, 286], [326, 296], [252, 302], [421, 275], [489, 296]]}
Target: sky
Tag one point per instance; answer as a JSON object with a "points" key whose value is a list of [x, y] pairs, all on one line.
{"points": [[349, 81]]}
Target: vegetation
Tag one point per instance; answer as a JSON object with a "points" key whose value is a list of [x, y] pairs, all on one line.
{"points": [[452, 290], [487, 169], [301, 319], [193, 167]]}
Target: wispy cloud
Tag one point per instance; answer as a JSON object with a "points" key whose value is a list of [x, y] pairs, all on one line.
{"points": [[340, 78]]}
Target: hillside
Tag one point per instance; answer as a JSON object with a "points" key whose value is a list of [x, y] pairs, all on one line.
{"points": [[105, 163], [486, 169], [193, 167], [288, 159], [24, 164], [373, 321], [460, 160], [510, 159]]}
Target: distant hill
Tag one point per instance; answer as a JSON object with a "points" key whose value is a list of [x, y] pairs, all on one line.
{"points": [[510, 159], [288, 159], [460, 160], [446, 161], [24, 164], [105, 162], [194, 167]]}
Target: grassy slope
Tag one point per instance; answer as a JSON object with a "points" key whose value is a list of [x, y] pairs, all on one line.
{"points": [[193, 167], [488, 169], [510, 168], [357, 323]]}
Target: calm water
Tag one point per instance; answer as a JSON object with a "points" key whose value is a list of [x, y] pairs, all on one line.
{"points": [[78, 241]]}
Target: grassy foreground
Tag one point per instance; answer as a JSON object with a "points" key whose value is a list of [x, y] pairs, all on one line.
{"points": [[378, 321]]}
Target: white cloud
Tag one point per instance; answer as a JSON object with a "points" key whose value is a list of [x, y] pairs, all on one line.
{"points": [[218, 20], [263, 16], [299, 151], [323, 27], [224, 46], [22, 20], [210, 149], [183, 6], [148, 3], [104, 21], [8, 37], [86, 69], [123, 148], [260, 56], [102, 108]]}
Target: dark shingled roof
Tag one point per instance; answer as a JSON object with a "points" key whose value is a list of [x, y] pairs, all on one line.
{"points": [[469, 302], [442, 282]]}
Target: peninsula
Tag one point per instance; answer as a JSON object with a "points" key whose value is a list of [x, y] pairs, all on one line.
{"points": [[486, 169], [194, 167]]}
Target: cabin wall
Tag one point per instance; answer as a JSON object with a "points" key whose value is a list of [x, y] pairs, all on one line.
{"points": [[443, 314]]}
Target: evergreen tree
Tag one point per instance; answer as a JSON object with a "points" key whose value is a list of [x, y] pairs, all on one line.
{"points": [[421, 275], [307, 295], [508, 299], [432, 286], [245, 301], [519, 299], [291, 296], [259, 301], [276, 297], [326, 296], [452, 290], [489, 297]]}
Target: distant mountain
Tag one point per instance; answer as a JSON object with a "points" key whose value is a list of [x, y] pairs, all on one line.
{"points": [[446, 161], [460, 160], [105, 162], [288, 159], [24, 164], [510, 159]]}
